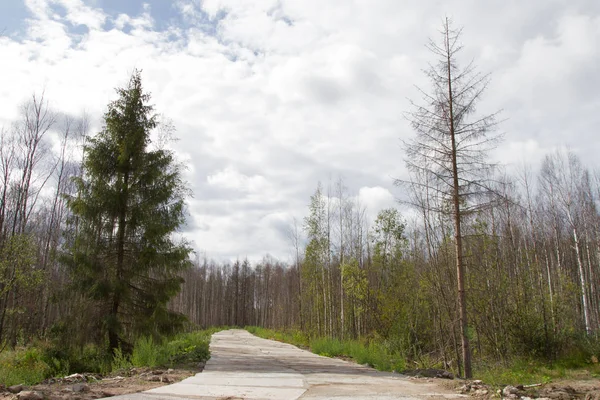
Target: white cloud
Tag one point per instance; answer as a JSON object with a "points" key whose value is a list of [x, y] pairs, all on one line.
{"points": [[229, 178], [80, 14], [271, 96], [376, 199]]}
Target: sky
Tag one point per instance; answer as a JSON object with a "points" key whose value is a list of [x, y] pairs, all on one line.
{"points": [[269, 97]]}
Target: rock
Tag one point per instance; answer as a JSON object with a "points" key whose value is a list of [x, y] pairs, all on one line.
{"points": [[481, 392], [74, 378], [166, 379], [170, 371], [445, 375], [15, 388], [477, 382], [30, 396], [560, 395], [80, 387], [465, 388], [595, 395], [510, 390], [107, 394], [158, 372], [570, 390], [154, 378]]}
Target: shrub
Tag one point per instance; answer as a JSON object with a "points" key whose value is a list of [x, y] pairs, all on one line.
{"points": [[120, 361], [145, 353], [23, 366]]}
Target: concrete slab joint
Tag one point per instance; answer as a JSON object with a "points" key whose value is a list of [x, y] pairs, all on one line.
{"points": [[243, 366]]}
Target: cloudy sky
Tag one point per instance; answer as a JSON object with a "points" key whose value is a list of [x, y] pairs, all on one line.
{"points": [[271, 96]]}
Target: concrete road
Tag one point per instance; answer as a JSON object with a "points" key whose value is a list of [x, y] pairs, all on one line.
{"points": [[243, 366]]}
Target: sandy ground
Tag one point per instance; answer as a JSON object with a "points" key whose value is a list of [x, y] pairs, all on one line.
{"points": [[92, 386], [566, 389]]}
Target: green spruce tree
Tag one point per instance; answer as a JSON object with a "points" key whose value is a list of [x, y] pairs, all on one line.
{"points": [[129, 204]]}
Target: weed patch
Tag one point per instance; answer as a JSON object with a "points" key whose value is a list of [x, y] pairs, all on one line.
{"points": [[372, 353], [23, 366]]}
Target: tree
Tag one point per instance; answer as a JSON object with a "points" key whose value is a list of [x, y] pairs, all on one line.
{"points": [[387, 237], [316, 260], [129, 204], [451, 147], [563, 176]]}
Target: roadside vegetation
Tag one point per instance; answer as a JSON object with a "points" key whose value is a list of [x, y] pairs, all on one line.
{"points": [[529, 372], [374, 353], [45, 359], [381, 355]]}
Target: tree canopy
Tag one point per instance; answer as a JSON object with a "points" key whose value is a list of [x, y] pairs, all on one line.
{"points": [[129, 204]]}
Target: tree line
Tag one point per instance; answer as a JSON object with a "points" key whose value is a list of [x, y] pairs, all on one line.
{"points": [[531, 267]]}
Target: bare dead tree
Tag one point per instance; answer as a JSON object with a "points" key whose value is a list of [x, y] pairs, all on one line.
{"points": [[451, 147], [37, 120]]}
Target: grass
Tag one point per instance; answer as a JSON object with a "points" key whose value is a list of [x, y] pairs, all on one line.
{"points": [[295, 337], [23, 366], [526, 372], [378, 355], [181, 350], [32, 365], [372, 353]]}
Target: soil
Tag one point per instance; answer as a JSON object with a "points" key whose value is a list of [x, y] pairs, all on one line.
{"points": [[94, 386], [567, 389]]}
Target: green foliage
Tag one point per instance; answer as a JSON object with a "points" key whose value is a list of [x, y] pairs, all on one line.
{"points": [[144, 353], [376, 354], [384, 355], [180, 350], [23, 366], [187, 348], [17, 261], [316, 261], [72, 353], [388, 237], [129, 202], [372, 353], [524, 371], [120, 361], [355, 284], [34, 364], [292, 336], [18, 274]]}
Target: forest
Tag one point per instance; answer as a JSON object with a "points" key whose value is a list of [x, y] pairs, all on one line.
{"points": [[475, 263]]}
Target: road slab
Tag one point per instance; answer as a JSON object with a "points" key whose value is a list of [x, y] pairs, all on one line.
{"points": [[243, 366]]}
